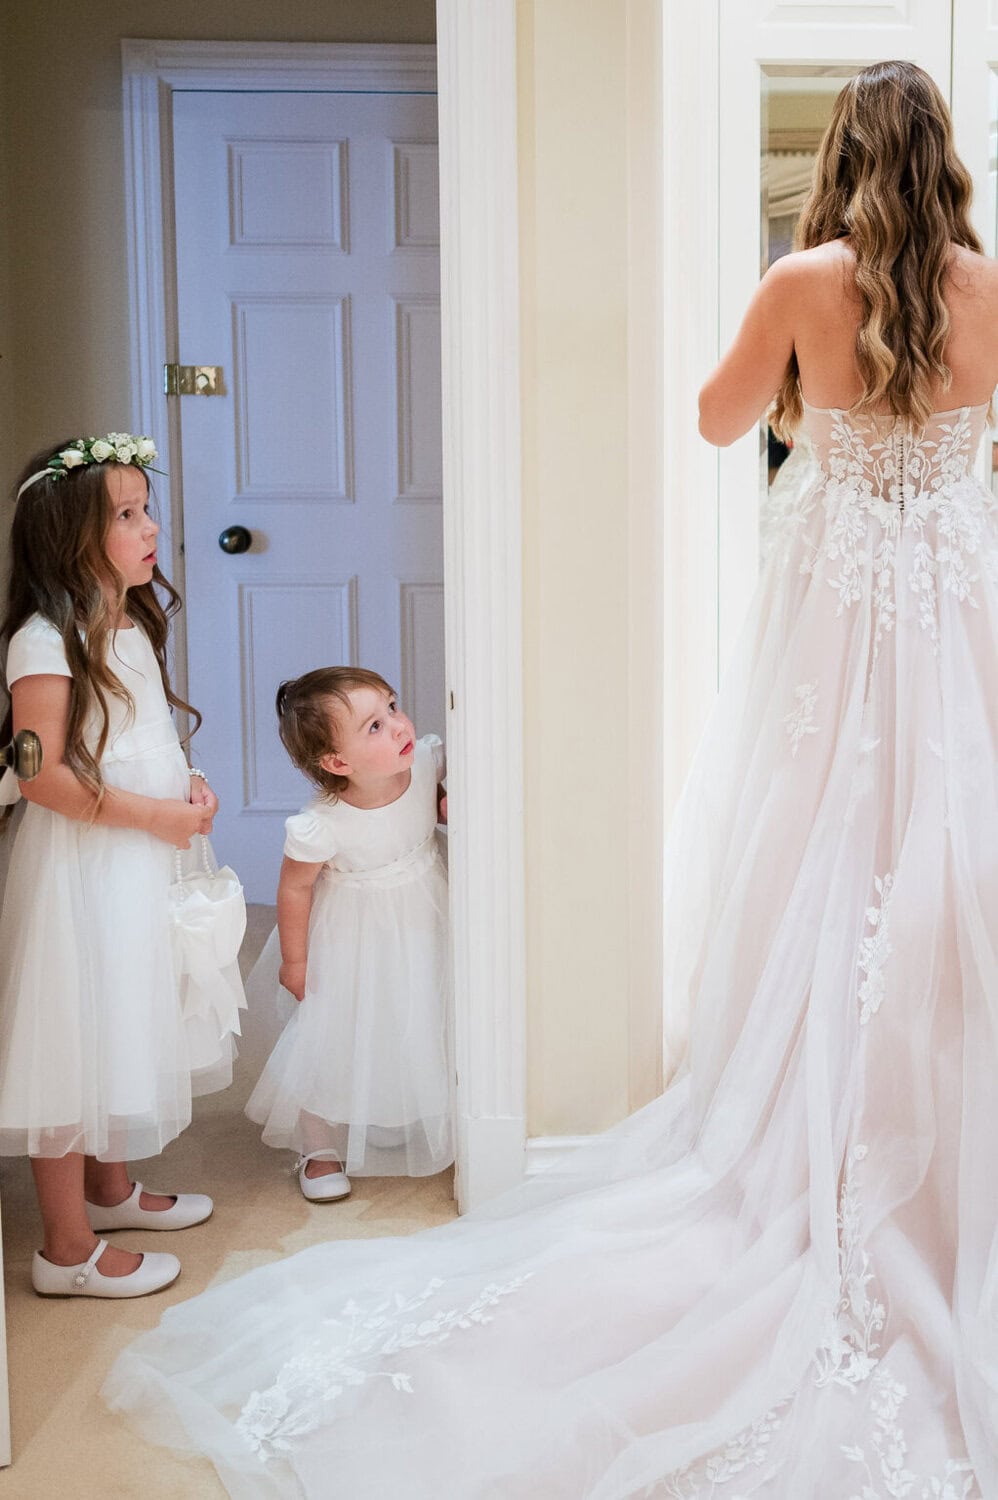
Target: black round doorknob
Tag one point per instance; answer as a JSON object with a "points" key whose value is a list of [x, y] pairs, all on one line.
{"points": [[235, 539]]}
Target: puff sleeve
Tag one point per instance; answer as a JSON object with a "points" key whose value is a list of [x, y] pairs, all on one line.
{"points": [[310, 836], [36, 650]]}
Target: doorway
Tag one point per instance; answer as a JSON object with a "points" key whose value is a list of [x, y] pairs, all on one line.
{"points": [[476, 54]]}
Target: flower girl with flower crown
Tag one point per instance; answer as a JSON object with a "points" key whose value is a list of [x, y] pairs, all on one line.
{"points": [[97, 1062]]}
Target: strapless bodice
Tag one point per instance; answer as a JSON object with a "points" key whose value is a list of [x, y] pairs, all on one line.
{"points": [[875, 457], [880, 514]]}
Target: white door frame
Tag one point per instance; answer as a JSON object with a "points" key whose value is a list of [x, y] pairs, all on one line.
{"points": [[475, 58], [690, 319]]}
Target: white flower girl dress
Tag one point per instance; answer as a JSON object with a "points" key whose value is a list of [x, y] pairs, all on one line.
{"points": [[781, 1278], [363, 1066], [96, 1051]]}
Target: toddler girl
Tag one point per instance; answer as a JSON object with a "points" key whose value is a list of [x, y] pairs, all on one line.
{"points": [[360, 1080], [95, 1062]]}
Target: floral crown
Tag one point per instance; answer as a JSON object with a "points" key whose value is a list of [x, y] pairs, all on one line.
{"points": [[116, 448]]}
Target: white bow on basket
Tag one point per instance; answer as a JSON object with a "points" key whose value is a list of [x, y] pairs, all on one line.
{"points": [[208, 913]]}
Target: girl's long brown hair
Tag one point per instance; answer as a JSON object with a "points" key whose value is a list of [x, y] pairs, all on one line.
{"points": [[59, 570], [887, 175]]}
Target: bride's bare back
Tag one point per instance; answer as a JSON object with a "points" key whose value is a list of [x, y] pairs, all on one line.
{"points": [[807, 304], [827, 320]]}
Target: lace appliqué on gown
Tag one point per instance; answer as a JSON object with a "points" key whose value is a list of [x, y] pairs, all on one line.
{"points": [[903, 482], [885, 1455], [847, 1357], [348, 1351], [875, 950], [788, 504], [847, 1354], [748, 1450], [800, 721]]}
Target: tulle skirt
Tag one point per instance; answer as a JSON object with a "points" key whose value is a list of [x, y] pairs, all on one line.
{"points": [[95, 1055], [363, 1066], [781, 1278]]}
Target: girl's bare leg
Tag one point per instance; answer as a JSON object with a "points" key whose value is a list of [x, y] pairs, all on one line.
{"points": [[107, 1183], [69, 1240]]}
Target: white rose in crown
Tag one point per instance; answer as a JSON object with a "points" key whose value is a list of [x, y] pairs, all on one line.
{"points": [[100, 451], [71, 457], [145, 450], [125, 453]]}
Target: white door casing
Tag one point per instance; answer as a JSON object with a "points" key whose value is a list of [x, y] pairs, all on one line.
{"points": [[974, 104], [476, 59], [308, 268], [689, 333], [974, 100]]}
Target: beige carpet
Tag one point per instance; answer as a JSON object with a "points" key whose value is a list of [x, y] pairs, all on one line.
{"points": [[66, 1445]]}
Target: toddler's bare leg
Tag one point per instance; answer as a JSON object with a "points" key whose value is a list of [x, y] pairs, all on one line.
{"points": [[317, 1135]]}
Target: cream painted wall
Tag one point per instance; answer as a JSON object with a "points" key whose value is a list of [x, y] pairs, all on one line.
{"points": [[592, 558]]}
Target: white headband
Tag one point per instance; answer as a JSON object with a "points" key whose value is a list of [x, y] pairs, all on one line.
{"points": [[42, 474]]}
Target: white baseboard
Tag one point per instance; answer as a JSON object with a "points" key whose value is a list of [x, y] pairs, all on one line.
{"points": [[494, 1145], [545, 1151], [490, 1158]]}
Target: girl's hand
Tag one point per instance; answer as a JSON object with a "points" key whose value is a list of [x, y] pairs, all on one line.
{"points": [[441, 803], [292, 977], [203, 796], [177, 823]]}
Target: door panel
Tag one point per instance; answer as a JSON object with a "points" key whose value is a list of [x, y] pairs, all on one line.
{"points": [[308, 267]]}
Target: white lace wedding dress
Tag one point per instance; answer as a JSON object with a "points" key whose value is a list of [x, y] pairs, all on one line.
{"points": [[781, 1278]]}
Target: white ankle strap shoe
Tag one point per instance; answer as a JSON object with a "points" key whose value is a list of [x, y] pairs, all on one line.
{"points": [[190, 1208], [324, 1189], [153, 1272]]}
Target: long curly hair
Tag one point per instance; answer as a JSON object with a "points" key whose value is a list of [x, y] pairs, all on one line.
{"points": [[59, 570], [887, 175]]}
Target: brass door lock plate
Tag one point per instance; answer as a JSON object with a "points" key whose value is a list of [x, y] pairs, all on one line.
{"points": [[194, 380]]}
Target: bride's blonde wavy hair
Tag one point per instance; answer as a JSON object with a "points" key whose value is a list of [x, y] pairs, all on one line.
{"points": [[887, 176]]}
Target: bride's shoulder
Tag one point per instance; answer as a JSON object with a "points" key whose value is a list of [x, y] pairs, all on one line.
{"points": [[826, 266], [972, 297], [972, 272]]}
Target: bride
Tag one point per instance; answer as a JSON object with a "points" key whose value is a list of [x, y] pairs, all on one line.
{"points": [[781, 1278]]}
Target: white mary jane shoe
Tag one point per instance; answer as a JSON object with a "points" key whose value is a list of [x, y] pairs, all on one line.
{"points": [[190, 1208], [153, 1272], [325, 1189]]}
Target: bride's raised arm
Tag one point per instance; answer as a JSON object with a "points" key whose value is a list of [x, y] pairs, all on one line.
{"points": [[747, 378]]}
